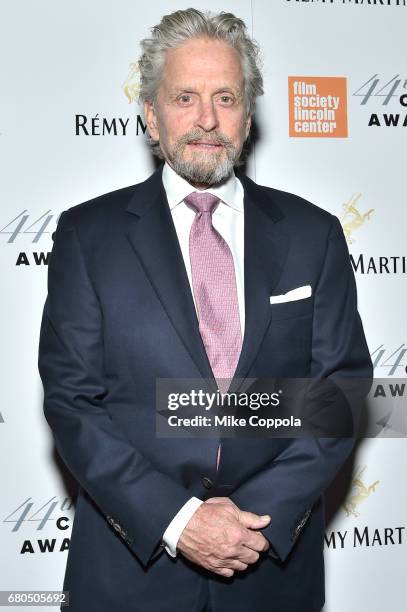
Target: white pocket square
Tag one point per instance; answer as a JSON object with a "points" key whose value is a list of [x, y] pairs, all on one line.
{"points": [[295, 294]]}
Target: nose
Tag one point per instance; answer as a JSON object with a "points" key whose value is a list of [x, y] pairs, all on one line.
{"points": [[207, 118]]}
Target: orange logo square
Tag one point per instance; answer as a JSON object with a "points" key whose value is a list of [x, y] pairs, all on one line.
{"points": [[318, 107]]}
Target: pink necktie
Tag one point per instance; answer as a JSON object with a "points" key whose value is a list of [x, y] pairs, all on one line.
{"points": [[215, 291]]}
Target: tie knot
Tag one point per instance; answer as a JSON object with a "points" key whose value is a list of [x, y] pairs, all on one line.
{"points": [[202, 201]]}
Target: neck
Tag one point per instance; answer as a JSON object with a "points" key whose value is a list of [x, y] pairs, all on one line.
{"points": [[199, 185]]}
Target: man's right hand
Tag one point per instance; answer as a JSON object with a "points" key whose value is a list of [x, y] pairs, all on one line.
{"points": [[222, 538]]}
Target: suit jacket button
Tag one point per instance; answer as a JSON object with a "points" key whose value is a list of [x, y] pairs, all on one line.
{"points": [[207, 482]]}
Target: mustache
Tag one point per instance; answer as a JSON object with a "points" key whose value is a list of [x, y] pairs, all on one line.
{"points": [[214, 137]]}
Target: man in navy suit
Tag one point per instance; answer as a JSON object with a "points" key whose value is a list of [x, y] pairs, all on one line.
{"points": [[190, 524]]}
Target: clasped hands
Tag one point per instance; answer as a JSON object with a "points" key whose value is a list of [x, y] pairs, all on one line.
{"points": [[222, 538]]}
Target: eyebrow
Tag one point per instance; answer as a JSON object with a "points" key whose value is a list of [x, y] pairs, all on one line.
{"points": [[236, 91], [193, 90]]}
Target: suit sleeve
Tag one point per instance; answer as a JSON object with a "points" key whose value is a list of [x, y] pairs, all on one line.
{"points": [[124, 485], [299, 475]]}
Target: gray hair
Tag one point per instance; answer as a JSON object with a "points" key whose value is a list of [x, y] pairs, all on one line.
{"points": [[176, 28]]}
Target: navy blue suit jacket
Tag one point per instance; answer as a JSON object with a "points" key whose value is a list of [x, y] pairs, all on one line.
{"points": [[119, 313]]}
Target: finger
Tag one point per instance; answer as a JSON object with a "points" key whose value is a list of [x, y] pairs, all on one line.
{"points": [[266, 545], [238, 566], [224, 571], [247, 555], [256, 541], [233, 563], [254, 521]]}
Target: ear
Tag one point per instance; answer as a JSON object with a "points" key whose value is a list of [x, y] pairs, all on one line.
{"points": [[151, 119]]}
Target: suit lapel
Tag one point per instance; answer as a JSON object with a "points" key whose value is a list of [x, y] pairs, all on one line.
{"points": [[265, 251], [152, 235]]}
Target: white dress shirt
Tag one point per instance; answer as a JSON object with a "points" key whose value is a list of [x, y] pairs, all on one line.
{"points": [[228, 220]]}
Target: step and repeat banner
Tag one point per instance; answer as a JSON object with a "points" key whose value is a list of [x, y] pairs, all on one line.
{"points": [[330, 127]]}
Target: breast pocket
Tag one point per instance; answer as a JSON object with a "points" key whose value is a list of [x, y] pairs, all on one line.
{"points": [[296, 308], [289, 339]]}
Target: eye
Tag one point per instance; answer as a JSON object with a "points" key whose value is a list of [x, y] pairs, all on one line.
{"points": [[184, 99], [226, 99]]}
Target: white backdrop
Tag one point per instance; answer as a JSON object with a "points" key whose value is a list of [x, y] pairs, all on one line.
{"points": [[61, 60]]}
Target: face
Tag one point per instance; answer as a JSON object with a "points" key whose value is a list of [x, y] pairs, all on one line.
{"points": [[199, 116]]}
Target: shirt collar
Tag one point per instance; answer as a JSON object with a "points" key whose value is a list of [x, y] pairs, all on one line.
{"points": [[177, 189]]}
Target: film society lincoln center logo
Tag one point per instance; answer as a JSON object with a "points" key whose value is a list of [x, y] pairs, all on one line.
{"points": [[317, 107]]}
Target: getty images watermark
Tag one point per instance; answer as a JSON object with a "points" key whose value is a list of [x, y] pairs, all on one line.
{"points": [[218, 402], [272, 407]]}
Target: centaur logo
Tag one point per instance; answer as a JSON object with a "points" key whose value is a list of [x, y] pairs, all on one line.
{"points": [[131, 89], [359, 492], [352, 218], [363, 536], [131, 86]]}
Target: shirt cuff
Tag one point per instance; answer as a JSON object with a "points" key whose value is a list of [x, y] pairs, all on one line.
{"points": [[179, 522]]}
